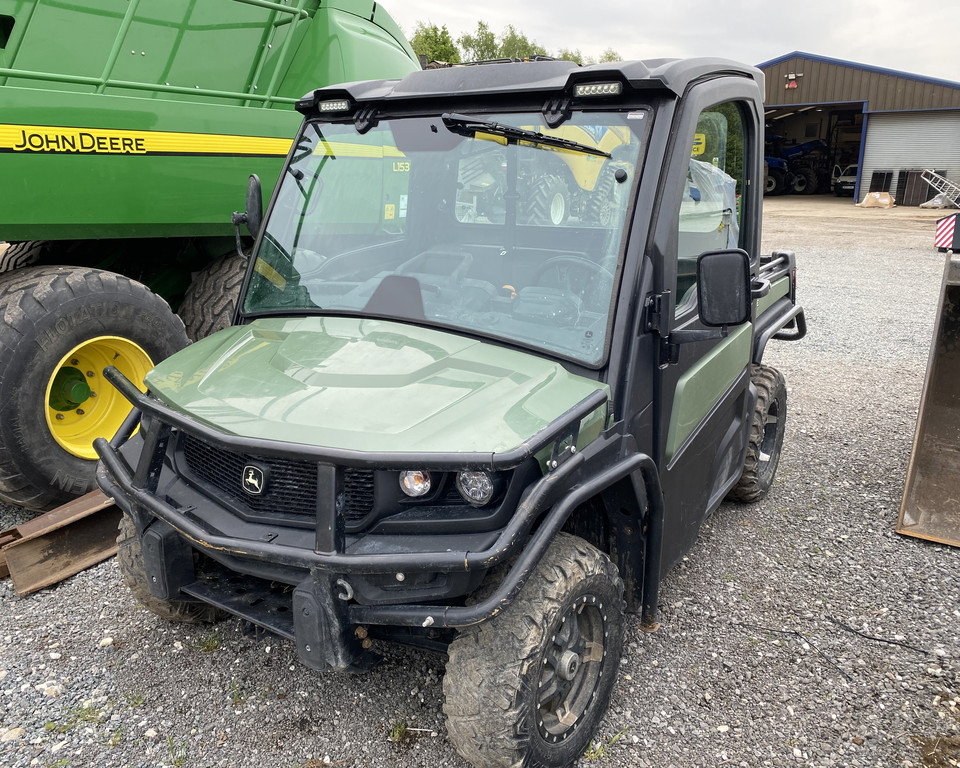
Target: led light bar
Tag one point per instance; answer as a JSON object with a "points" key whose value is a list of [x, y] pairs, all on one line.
{"points": [[598, 89], [334, 105]]}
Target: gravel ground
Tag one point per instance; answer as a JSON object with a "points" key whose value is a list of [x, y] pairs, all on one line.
{"points": [[801, 630]]}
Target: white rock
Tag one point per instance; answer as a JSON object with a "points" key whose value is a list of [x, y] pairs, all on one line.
{"points": [[13, 734], [3, 673], [106, 641], [150, 733], [55, 655], [52, 692]]}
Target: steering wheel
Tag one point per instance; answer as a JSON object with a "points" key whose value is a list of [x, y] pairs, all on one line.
{"points": [[579, 276]]}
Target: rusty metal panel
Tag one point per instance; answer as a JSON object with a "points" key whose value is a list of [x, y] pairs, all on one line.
{"points": [[60, 543], [931, 499]]}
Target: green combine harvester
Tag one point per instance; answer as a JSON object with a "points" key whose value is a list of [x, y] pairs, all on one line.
{"points": [[128, 131]]}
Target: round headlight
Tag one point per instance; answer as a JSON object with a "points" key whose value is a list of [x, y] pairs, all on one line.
{"points": [[476, 487], [415, 482]]}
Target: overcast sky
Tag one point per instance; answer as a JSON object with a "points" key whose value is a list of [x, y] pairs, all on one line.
{"points": [[915, 36]]}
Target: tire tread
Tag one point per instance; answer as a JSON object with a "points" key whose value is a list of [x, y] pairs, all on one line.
{"points": [[130, 561], [211, 299], [768, 382], [484, 690]]}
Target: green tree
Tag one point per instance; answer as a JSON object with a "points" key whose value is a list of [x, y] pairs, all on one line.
{"points": [[480, 46], [565, 54], [515, 45], [435, 43], [610, 55]]}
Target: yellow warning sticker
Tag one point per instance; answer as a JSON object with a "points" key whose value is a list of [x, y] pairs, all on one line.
{"points": [[699, 144], [270, 273], [349, 149], [389, 211]]}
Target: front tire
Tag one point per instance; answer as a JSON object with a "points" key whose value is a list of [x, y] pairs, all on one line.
{"points": [[766, 436], [130, 561], [530, 686], [805, 181], [549, 202], [775, 183], [59, 328]]}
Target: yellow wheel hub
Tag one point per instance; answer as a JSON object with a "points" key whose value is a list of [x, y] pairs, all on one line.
{"points": [[80, 404]]}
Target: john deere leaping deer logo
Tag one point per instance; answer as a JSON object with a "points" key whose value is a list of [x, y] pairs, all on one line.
{"points": [[253, 480]]}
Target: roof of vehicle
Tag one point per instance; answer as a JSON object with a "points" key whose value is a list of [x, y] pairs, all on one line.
{"points": [[514, 77]]}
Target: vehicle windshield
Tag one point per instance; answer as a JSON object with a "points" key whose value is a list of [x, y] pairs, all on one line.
{"points": [[480, 229]]}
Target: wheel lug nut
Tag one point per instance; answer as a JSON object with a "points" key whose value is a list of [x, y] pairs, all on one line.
{"points": [[90, 374], [59, 417], [79, 411], [74, 362]]}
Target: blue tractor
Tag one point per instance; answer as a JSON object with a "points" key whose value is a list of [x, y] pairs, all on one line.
{"points": [[798, 169]]}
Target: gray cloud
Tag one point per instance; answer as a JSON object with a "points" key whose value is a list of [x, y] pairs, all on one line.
{"points": [[906, 35]]}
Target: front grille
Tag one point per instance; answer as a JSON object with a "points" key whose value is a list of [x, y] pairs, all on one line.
{"points": [[357, 493], [291, 489]]}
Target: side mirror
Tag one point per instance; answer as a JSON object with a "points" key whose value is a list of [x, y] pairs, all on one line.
{"points": [[254, 205], [253, 216], [724, 288]]}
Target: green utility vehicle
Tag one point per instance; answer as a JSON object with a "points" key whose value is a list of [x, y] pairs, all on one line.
{"points": [[128, 130], [447, 416]]}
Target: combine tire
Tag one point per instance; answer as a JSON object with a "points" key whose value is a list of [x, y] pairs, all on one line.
{"points": [[766, 436], [59, 328], [19, 255], [549, 202], [529, 686], [211, 299], [130, 560]]}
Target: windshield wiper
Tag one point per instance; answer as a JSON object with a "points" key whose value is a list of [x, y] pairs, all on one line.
{"points": [[470, 126]]}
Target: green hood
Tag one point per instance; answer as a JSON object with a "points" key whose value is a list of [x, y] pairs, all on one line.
{"points": [[368, 385]]}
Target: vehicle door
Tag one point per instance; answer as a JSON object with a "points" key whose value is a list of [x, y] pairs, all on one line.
{"points": [[711, 202]]}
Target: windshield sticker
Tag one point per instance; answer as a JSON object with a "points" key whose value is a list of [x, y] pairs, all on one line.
{"points": [[349, 149]]}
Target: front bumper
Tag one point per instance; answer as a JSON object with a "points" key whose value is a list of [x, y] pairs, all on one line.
{"points": [[324, 610]]}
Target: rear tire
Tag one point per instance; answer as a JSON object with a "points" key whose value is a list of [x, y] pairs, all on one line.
{"points": [[600, 205], [530, 686], [19, 255], [130, 560], [59, 327], [211, 299], [766, 436]]}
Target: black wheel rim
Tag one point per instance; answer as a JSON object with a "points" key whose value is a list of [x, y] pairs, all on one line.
{"points": [[571, 669], [766, 457]]}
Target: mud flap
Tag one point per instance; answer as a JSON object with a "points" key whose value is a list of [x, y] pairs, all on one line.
{"points": [[931, 498], [60, 543], [324, 635]]}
